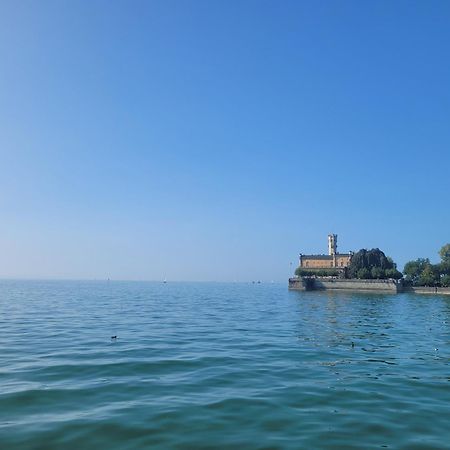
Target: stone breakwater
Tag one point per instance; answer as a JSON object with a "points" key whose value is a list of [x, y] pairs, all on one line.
{"points": [[427, 290], [336, 284], [326, 283]]}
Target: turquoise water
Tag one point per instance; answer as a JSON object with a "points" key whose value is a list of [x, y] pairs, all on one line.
{"points": [[204, 366]]}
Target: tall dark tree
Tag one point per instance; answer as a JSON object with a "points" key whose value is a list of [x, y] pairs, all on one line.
{"points": [[372, 264]]}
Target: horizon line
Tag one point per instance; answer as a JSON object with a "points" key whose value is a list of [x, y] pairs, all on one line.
{"points": [[106, 280]]}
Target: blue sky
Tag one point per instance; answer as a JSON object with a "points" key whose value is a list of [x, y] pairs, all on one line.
{"points": [[215, 140]]}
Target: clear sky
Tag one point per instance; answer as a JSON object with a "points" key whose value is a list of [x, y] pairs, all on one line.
{"points": [[215, 140]]}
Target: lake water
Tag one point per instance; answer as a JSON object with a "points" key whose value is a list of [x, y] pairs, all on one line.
{"points": [[208, 365]]}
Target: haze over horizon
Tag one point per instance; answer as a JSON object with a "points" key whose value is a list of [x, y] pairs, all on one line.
{"points": [[217, 140]]}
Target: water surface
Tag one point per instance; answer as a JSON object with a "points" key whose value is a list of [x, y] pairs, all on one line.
{"points": [[208, 365]]}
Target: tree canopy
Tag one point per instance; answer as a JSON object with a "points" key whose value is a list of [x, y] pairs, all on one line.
{"points": [[301, 272], [413, 269], [422, 273], [444, 253], [367, 264]]}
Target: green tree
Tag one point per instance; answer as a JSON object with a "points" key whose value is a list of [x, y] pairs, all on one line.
{"points": [[444, 266], [377, 272], [301, 272], [391, 262], [445, 281], [363, 274], [393, 273], [413, 269], [422, 273], [429, 276], [444, 253]]}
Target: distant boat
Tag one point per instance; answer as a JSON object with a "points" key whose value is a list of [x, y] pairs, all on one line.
{"points": [[164, 281]]}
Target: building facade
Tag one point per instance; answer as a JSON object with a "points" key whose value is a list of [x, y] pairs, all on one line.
{"points": [[333, 260]]}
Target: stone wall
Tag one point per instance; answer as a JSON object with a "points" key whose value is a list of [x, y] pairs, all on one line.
{"points": [[298, 284], [358, 285], [336, 284], [428, 290], [325, 283]]}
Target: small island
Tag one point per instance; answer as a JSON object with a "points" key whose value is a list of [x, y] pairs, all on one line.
{"points": [[370, 270]]}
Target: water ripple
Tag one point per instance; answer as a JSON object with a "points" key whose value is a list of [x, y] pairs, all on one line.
{"points": [[207, 366]]}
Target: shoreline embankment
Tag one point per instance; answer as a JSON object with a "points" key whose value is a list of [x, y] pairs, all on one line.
{"points": [[427, 290], [389, 286]]}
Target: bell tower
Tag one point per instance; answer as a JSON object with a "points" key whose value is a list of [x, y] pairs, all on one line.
{"points": [[332, 244]]}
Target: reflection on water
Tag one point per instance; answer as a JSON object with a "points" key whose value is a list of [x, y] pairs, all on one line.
{"points": [[220, 366]]}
